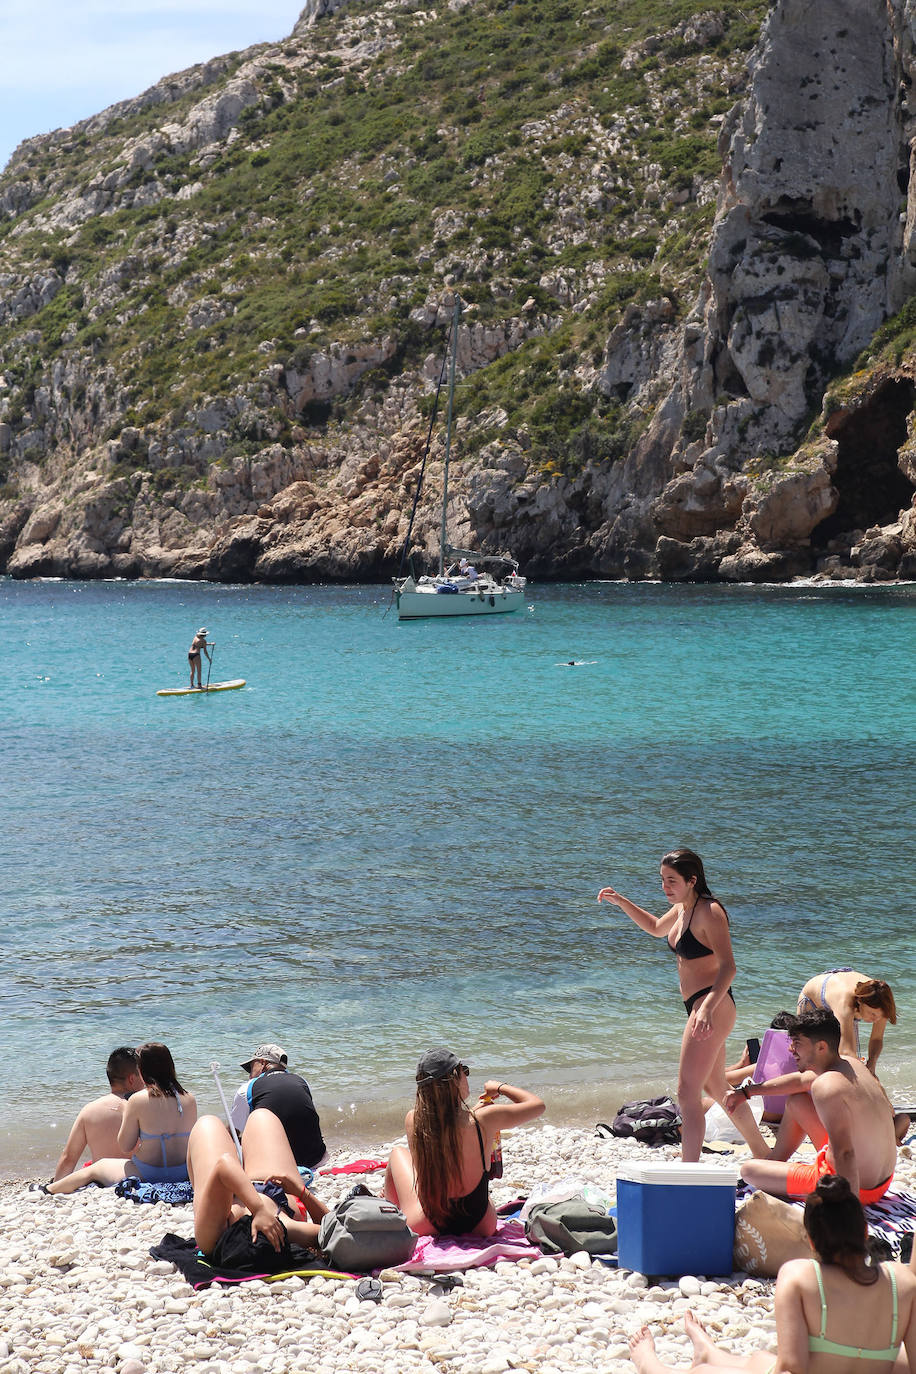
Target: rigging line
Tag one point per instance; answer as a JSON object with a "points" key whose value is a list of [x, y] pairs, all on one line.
{"points": [[429, 435]]}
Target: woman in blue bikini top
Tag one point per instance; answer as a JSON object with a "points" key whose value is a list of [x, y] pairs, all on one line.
{"points": [[852, 997], [440, 1182], [154, 1130], [869, 1309]]}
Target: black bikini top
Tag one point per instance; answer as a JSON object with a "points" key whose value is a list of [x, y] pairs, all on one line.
{"points": [[688, 946]]}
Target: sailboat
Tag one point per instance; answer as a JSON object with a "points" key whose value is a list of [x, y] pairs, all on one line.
{"points": [[468, 582]]}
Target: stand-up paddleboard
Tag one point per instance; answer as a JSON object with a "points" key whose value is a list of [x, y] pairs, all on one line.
{"points": [[202, 691]]}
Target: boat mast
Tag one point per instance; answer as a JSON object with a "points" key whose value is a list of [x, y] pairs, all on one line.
{"points": [[448, 431]]}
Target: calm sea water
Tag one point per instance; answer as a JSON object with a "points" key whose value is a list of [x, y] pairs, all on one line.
{"points": [[393, 836]]}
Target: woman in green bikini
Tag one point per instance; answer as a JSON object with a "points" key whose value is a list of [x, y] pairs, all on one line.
{"points": [[868, 1309]]}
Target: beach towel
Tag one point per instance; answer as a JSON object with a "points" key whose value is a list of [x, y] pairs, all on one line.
{"points": [[184, 1254], [359, 1166], [176, 1194], [440, 1254]]}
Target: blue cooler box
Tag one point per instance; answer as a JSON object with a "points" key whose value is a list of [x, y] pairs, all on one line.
{"points": [[676, 1219]]}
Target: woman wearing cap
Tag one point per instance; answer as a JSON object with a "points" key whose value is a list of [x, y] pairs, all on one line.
{"points": [[198, 643], [440, 1180]]}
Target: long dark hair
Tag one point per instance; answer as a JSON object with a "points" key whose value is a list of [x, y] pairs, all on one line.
{"points": [[689, 865], [835, 1222], [157, 1069], [437, 1123]]}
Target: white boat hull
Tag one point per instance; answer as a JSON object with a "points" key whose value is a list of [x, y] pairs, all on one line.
{"points": [[424, 603]]}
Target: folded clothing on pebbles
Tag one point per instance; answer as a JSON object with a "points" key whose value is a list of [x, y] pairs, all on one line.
{"points": [[78, 1288]]}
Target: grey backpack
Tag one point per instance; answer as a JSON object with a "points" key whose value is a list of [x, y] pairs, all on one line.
{"points": [[364, 1233]]}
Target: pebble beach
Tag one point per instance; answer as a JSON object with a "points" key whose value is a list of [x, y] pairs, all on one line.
{"points": [[79, 1292]]}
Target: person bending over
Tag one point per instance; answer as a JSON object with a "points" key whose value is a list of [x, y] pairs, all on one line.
{"points": [[440, 1180], [852, 998], [835, 1312], [838, 1104], [154, 1132]]}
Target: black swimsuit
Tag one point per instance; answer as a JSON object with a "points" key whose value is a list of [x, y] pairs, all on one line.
{"points": [[689, 947], [464, 1213]]}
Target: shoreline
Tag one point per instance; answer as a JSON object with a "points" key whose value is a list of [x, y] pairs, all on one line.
{"points": [[31, 1149], [80, 1291]]}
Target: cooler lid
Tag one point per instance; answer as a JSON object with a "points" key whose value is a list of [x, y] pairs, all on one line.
{"points": [[670, 1172]]}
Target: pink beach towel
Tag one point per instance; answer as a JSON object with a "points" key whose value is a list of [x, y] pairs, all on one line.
{"points": [[443, 1253]]}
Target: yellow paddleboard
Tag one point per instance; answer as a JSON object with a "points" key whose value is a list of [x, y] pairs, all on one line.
{"points": [[202, 691]]}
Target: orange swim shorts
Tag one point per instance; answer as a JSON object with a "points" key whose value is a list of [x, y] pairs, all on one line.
{"points": [[801, 1179]]}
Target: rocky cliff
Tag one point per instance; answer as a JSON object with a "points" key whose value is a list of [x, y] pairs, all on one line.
{"points": [[685, 240]]}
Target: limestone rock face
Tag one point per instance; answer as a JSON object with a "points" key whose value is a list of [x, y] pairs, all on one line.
{"points": [[305, 466], [808, 257]]}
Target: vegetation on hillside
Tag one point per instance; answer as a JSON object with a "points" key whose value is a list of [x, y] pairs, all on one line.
{"points": [[554, 152]]}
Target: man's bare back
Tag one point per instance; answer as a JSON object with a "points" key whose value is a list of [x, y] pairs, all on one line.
{"points": [[96, 1130], [853, 1097]]}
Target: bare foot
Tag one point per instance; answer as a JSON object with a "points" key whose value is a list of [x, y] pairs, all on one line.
{"points": [[697, 1333], [642, 1347]]}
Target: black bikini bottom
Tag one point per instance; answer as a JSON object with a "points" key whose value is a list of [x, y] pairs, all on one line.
{"points": [[697, 996]]}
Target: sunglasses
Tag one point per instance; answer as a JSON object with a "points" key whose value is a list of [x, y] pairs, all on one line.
{"points": [[463, 1068]]}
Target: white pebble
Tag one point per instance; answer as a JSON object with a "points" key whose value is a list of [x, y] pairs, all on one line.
{"points": [[689, 1286], [436, 1314]]}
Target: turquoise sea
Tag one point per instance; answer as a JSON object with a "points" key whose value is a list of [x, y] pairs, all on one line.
{"points": [[394, 835]]}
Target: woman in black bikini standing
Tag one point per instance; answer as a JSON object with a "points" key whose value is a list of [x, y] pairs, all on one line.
{"points": [[440, 1180], [695, 928]]}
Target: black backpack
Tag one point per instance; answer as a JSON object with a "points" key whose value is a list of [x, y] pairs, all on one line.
{"points": [[655, 1122]]}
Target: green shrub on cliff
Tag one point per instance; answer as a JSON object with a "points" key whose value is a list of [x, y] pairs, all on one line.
{"points": [[502, 148]]}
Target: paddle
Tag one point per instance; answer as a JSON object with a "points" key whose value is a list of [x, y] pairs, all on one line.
{"points": [[210, 665]]}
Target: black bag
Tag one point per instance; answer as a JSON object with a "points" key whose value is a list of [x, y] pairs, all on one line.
{"points": [[655, 1122], [237, 1252], [571, 1225]]}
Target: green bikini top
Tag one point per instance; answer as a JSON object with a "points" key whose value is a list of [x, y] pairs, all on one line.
{"points": [[823, 1346]]}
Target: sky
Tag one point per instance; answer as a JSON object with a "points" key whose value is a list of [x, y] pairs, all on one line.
{"points": [[64, 60]]}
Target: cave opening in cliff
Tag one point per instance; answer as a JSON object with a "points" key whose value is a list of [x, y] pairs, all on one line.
{"points": [[871, 487]]}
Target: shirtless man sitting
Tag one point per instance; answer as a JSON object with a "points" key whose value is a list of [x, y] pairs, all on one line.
{"points": [[97, 1124], [838, 1104]]}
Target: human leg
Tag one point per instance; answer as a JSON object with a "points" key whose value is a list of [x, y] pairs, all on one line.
{"points": [[718, 1086], [106, 1172], [708, 1358], [208, 1143], [701, 1060], [267, 1153], [774, 1174], [401, 1189]]}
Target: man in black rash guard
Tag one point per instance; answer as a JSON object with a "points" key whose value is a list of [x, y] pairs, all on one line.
{"points": [[288, 1096]]}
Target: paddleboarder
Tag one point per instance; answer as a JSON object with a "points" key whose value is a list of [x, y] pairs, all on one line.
{"points": [[198, 644]]}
